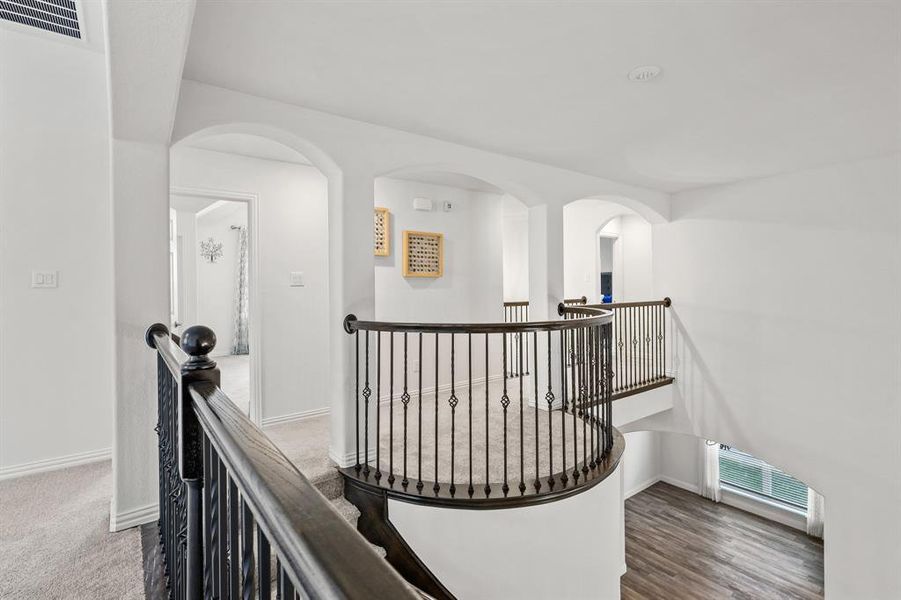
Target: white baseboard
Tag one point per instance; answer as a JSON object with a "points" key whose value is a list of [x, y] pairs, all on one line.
{"points": [[298, 416], [690, 487], [641, 487], [350, 459], [134, 517], [53, 464]]}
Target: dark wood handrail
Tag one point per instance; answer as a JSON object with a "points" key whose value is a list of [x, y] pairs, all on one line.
{"points": [[221, 478], [666, 302], [593, 316], [324, 556]]}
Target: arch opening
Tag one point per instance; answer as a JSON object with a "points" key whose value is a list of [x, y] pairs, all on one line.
{"points": [[607, 252], [260, 202]]}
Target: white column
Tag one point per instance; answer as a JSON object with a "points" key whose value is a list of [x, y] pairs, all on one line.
{"points": [[351, 291], [546, 289], [545, 260], [140, 183]]}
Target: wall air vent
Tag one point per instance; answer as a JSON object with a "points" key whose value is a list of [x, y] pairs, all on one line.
{"points": [[57, 16]]}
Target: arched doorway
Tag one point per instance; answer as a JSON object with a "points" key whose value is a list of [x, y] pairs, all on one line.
{"points": [[233, 185]]}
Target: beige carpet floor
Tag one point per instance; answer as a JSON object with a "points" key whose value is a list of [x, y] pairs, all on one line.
{"points": [[55, 541]]}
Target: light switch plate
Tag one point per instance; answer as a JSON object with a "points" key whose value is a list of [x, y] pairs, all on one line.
{"points": [[44, 279], [297, 279]]}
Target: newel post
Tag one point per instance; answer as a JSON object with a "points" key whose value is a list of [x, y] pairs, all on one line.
{"points": [[197, 342]]}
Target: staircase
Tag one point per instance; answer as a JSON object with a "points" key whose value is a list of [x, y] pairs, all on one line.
{"points": [[305, 443]]}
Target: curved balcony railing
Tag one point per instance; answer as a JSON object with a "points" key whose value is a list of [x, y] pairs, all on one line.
{"points": [[439, 421], [639, 346]]}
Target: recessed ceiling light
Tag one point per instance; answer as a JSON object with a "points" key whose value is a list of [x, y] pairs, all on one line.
{"points": [[644, 73]]}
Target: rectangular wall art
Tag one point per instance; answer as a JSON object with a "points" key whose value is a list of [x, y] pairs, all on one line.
{"points": [[423, 254], [382, 231]]}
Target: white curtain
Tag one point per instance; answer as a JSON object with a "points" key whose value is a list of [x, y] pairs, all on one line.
{"points": [[241, 343], [815, 513], [710, 471]]}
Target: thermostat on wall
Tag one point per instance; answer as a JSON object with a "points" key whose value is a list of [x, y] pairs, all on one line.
{"points": [[422, 204], [296, 279]]}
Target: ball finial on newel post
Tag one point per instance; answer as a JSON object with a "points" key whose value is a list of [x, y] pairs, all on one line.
{"points": [[197, 342]]}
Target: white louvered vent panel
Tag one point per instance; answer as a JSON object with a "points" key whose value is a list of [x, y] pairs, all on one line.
{"points": [[57, 16]]}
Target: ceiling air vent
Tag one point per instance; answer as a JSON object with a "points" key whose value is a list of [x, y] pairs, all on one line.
{"points": [[58, 16]]}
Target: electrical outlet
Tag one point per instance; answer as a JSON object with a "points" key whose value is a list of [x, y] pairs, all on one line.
{"points": [[415, 366], [44, 279], [296, 279]]}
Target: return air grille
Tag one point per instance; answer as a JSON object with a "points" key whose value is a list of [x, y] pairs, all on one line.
{"points": [[58, 16]]}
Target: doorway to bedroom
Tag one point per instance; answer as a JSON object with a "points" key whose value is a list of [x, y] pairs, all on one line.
{"points": [[210, 254]]}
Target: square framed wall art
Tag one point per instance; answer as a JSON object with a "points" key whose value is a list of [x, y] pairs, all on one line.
{"points": [[381, 233], [423, 254]]}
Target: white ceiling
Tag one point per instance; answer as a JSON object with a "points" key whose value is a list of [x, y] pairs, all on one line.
{"points": [[455, 180], [252, 146], [748, 88]]}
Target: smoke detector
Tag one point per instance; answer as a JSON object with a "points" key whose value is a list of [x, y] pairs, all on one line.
{"points": [[644, 73]]}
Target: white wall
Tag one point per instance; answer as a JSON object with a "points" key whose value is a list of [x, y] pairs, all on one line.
{"points": [[56, 389], [642, 461], [471, 288], [523, 552], [216, 283], [293, 236], [786, 330], [515, 234], [680, 462], [632, 260], [188, 249]]}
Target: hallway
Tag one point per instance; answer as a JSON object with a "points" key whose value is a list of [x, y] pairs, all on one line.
{"points": [[679, 545]]}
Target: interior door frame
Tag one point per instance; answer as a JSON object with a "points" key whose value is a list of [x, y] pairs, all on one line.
{"points": [[254, 313], [597, 260]]}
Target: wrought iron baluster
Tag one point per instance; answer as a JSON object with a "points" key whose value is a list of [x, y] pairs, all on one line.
{"points": [[574, 391], [222, 550], [419, 484], [378, 407], [505, 402], [391, 409], [522, 468], [367, 392], [537, 482], [287, 586], [405, 399], [436, 487], [487, 443], [470, 490], [279, 580], [452, 401], [564, 477], [357, 466], [589, 339], [207, 522], [247, 562], [215, 562], [234, 570], [264, 568], [583, 395]]}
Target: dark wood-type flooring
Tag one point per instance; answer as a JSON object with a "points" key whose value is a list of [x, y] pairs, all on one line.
{"points": [[679, 545]]}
